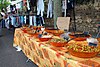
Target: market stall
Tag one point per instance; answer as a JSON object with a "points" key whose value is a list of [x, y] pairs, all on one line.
{"points": [[46, 55]]}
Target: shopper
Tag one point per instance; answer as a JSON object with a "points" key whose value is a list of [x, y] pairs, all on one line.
{"points": [[3, 18]]}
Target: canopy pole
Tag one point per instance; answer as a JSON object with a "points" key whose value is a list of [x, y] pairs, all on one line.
{"points": [[65, 7]]}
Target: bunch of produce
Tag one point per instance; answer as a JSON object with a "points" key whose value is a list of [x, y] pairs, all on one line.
{"points": [[83, 48], [58, 40]]}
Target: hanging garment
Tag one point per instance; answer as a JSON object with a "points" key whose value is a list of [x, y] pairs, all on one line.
{"points": [[13, 21], [18, 6], [10, 21], [21, 4], [28, 6], [17, 21], [25, 19], [69, 4], [63, 6], [7, 22], [42, 21], [11, 8], [3, 15], [3, 23], [34, 19], [50, 9], [40, 7], [33, 2], [8, 9], [31, 20], [22, 20], [24, 2], [39, 21], [3, 19]]}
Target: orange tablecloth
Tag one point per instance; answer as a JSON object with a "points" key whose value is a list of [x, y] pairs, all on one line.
{"points": [[45, 55]]}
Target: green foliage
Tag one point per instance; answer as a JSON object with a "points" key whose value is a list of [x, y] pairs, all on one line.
{"points": [[3, 4]]}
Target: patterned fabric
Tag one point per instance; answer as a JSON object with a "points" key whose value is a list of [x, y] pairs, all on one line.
{"points": [[46, 55]]}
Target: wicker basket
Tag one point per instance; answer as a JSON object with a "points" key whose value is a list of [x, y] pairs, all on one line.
{"points": [[55, 32], [83, 54], [79, 38]]}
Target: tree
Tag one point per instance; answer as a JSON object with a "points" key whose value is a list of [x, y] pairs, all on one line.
{"points": [[57, 10], [4, 4]]}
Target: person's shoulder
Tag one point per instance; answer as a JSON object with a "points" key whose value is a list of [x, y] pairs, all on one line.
{"points": [[2, 13]]}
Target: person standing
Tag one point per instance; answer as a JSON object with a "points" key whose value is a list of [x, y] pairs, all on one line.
{"points": [[3, 18]]}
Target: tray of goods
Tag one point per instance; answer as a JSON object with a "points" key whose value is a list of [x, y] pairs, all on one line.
{"points": [[31, 32], [83, 51], [56, 32], [58, 42], [79, 36]]}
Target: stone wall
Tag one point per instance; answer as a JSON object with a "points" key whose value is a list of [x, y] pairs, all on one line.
{"points": [[87, 16]]}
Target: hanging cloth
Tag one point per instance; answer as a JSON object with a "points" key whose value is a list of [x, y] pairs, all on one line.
{"points": [[28, 6], [50, 9], [31, 20], [17, 21], [24, 1], [13, 21], [39, 20], [40, 7], [7, 22], [34, 20], [33, 3], [69, 4], [25, 19], [22, 20]]}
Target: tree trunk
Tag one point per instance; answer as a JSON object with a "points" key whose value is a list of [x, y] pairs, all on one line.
{"points": [[57, 10]]}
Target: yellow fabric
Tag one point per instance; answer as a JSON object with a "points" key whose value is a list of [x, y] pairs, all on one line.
{"points": [[45, 55]]}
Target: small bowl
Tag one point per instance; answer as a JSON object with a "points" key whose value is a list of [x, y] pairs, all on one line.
{"points": [[79, 38], [56, 32], [83, 54], [83, 51], [45, 38]]}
